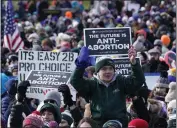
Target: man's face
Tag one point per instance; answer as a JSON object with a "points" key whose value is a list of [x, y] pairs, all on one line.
{"points": [[154, 55], [106, 73]]}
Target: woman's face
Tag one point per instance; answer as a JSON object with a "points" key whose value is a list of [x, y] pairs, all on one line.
{"points": [[85, 125], [48, 116]]}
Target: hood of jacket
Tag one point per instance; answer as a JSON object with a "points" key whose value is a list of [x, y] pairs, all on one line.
{"points": [[102, 82], [11, 86]]}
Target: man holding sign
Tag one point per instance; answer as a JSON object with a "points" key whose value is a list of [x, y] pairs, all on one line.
{"points": [[107, 91]]}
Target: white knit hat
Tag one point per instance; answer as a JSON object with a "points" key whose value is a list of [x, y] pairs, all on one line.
{"points": [[171, 93], [62, 37], [172, 104]]}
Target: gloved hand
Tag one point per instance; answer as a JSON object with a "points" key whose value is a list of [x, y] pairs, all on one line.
{"points": [[83, 59], [22, 88], [16, 118], [64, 89]]}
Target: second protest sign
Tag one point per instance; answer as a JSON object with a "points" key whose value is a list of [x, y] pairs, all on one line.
{"points": [[104, 41], [48, 79], [123, 65]]}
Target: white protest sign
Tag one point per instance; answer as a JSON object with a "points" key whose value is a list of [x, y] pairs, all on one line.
{"points": [[40, 93], [133, 6], [151, 79], [44, 61]]}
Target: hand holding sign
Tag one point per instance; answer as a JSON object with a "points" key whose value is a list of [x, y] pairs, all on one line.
{"points": [[132, 55], [83, 59]]}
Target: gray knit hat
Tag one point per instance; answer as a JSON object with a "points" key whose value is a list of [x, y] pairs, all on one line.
{"points": [[55, 96], [157, 42], [171, 95]]}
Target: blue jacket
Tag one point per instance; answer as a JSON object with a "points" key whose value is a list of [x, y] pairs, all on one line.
{"points": [[9, 96], [4, 79], [5, 103]]}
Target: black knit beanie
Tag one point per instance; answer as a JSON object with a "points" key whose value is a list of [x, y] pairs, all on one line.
{"points": [[104, 62]]}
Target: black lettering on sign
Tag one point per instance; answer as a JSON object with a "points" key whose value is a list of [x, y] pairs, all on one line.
{"points": [[27, 66], [21, 55], [22, 77], [71, 56], [52, 56], [31, 55], [68, 65], [53, 67], [46, 57], [65, 56], [24, 55], [41, 66], [40, 56], [22, 65], [62, 68], [30, 66], [35, 90]]}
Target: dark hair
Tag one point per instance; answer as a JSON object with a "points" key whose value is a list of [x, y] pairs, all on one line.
{"points": [[4, 51], [92, 123], [47, 42], [12, 58], [144, 55]]}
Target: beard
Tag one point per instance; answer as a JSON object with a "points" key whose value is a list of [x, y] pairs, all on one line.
{"points": [[154, 64]]}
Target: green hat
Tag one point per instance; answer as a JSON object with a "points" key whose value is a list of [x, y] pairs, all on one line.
{"points": [[103, 62], [52, 108], [66, 115]]}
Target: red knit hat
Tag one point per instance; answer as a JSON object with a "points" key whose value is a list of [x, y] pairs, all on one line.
{"points": [[34, 120], [138, 123]]}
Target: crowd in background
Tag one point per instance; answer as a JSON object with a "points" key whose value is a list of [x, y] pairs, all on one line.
{"points": [[153, 30]]}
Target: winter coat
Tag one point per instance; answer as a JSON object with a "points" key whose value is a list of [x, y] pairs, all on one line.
{"points": [[10, 95], [5, 103], [150, 67], [4, 79], [26, 109], [141, 109], [103, 99]]}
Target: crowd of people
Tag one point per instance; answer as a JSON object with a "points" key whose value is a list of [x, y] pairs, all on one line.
{"points": [[104, 99]]}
